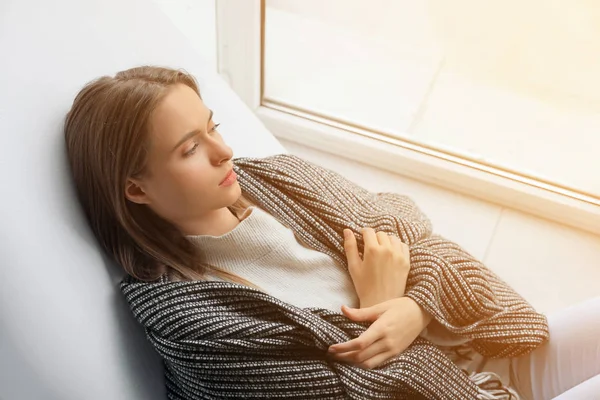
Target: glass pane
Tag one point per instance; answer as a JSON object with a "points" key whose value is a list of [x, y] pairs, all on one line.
{"points": [[512, 83]]}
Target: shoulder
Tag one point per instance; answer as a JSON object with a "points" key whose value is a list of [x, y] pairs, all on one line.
{"points": [[283, 168], [276, 161], [129, 280]]}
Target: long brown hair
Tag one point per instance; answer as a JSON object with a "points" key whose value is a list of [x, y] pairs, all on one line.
{"points": [[106, 133]]}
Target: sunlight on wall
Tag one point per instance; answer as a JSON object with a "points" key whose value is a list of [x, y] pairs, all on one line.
{"points": [[196, 19]]}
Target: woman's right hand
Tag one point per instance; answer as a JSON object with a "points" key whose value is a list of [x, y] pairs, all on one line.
{"points": [[382, 272]]}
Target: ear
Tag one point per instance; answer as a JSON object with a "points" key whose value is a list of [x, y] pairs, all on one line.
{"points": [[135, 193]]}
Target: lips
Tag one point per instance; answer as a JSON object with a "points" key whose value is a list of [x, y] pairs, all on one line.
{"points": [[226, 176]]}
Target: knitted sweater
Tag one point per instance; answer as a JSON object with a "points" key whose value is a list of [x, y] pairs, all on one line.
{"points": [[224, 340], [266, 253]]}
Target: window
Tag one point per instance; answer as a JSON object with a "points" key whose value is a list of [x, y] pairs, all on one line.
{"points": [[500, 99]]}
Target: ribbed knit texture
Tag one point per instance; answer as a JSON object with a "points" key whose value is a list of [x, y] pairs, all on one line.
{"points": [[266, 253], [222, 340]]}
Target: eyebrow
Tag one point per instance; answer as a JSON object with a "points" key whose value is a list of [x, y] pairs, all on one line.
{"points": [[188, 135]]}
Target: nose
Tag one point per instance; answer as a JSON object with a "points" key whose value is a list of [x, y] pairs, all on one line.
{"points": [[220, 153]]}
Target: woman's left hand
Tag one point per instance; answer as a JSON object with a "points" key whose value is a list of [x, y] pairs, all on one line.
{"points": [[396, 324]]}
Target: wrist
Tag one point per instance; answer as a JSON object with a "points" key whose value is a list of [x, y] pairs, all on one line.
{"points": [[425, 317]]}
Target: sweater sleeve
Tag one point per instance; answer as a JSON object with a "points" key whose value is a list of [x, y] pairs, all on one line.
{"points": [[469, 299], [219, 340]]}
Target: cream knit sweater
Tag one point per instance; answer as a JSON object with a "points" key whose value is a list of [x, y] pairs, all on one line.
{"points": [[265, 252]]}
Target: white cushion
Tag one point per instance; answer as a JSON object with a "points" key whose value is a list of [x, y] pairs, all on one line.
{"points": [[65, 331]]}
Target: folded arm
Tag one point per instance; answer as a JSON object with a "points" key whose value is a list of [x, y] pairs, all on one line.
{"points": [[468, 299]]}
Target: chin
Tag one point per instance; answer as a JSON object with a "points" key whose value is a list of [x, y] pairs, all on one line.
{"points": [[236, 192]]}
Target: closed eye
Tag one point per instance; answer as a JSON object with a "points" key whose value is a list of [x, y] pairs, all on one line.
{"points": [[196, 144], [192, 150]]}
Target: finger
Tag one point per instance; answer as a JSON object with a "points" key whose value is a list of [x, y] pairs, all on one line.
{"points": [[367, 314], [368, 337], [358, 356], [360, 343], [383, 239], [376, 360], [403, 247], [370, 238], [406, 250], [351, 248], [397, 244]]}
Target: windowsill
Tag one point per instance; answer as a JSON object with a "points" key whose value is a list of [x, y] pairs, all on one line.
{"points": [[418, 163]]}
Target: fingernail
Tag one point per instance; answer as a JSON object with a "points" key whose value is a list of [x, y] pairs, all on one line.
{"points": [[347, 233], [331, 350]]}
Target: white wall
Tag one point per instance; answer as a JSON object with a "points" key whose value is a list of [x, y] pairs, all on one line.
{"points": [[197, 20]]}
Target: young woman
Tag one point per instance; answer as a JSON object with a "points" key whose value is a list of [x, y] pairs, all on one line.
{"points": [[159, 188]]}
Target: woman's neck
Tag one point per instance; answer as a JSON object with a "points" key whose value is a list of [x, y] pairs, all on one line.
{"points": [[216, 223]]}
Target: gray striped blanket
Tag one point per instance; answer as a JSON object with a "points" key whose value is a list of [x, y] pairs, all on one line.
{"points": [[223, 340]]}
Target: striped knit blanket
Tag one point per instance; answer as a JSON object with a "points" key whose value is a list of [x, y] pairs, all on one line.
{"points": [[223, 340]]}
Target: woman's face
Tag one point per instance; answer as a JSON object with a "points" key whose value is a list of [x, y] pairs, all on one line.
{"points": [[186, 163]]}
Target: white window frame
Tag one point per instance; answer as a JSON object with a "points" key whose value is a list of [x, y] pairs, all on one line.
{"points": [[239, 57]]}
